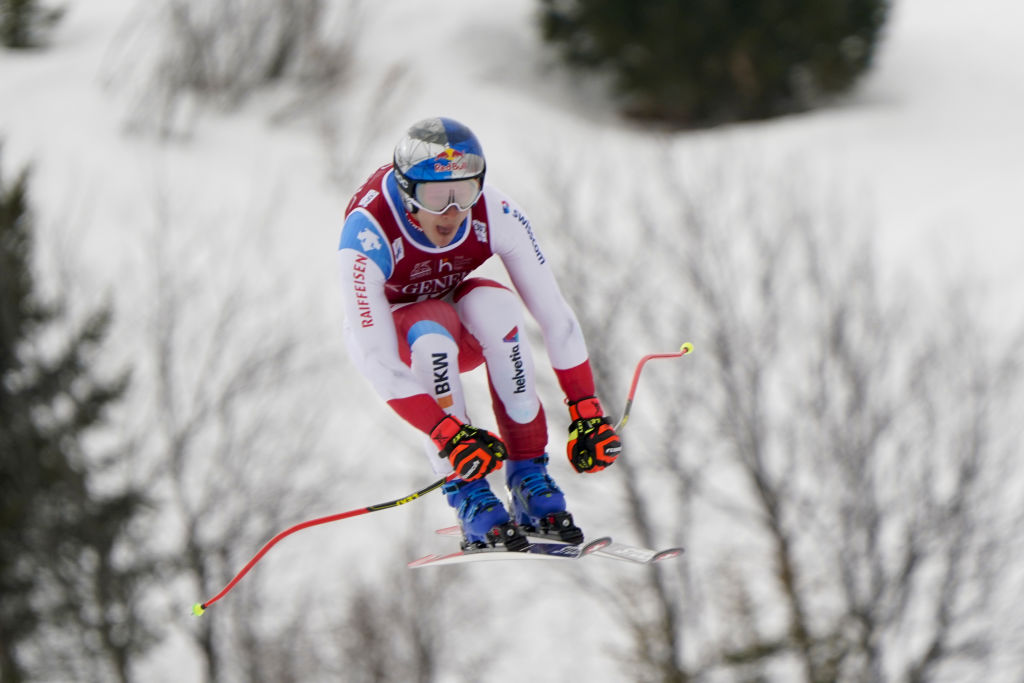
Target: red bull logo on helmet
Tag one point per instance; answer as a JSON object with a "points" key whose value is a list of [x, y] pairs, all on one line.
{"points": [[449, 161]]}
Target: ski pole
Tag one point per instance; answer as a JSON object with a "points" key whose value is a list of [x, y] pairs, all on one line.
{"points": [[686, 348], [200, 607]]}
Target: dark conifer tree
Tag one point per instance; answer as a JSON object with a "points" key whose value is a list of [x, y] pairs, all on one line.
{"points": [[701, 62], [64, 575], [25, 23]]}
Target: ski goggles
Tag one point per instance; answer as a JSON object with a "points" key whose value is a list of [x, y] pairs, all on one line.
{"points": [[439, 196]]}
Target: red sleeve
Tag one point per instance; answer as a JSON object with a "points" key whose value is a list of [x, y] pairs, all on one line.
{"points": [[421, 411], [577, 382]]}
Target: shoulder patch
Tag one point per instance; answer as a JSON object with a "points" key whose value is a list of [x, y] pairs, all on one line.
{"points": [[362, 234]]}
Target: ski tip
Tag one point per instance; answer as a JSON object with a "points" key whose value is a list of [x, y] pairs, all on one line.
{"points": [[667, 554], [595, 545], [687, 347], [198, 609], [423, 561]]}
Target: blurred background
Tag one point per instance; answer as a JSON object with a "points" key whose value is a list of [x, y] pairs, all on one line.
{"points": [[822, 196]]}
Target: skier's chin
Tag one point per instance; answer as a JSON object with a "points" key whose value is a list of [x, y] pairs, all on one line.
{"points": [[445, 234]]}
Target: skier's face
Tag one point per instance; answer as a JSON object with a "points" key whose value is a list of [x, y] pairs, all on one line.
{"points": [[440, 229]]}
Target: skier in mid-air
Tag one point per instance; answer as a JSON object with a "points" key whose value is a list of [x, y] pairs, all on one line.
{"points": [[413, 234]]}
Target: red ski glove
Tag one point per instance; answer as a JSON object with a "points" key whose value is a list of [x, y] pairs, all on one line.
{"points": [[593, 443], [473, 452]]}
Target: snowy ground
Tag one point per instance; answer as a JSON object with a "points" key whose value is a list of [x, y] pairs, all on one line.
{"points": [[932, 140], [933, 137]]}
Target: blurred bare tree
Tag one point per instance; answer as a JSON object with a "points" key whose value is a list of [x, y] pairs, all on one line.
{"points": [[232, 434], [839, 456], [175, 56], [350, 130], [409, 625]]}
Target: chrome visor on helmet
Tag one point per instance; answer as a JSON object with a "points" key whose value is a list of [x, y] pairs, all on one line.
{"points": [[438, 164]]}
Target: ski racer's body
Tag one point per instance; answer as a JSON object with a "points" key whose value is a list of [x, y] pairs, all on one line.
{"points": [[416, 318]]}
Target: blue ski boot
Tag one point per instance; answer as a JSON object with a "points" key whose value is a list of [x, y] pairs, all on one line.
{"points": [[483, 518], [538, 505]]}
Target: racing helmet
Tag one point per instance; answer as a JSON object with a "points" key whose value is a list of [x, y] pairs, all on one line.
{"points": [[439, 163]]}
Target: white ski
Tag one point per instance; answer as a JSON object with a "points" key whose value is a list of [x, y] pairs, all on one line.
{"points": [[535, 551], [610, 548]]}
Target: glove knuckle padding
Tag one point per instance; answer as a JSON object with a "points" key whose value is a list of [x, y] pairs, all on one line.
{"points": [[472, 452], [593, 443]]}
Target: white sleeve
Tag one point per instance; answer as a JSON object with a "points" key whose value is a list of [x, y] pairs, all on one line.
{"points": [[512, 238], [370, 328]]}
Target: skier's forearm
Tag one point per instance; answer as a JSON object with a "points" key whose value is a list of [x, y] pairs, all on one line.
{"points": [[577, 382]]}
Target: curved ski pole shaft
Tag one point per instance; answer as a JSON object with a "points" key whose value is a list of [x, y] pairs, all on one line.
{"points": [[685, 349], [201, 607]]}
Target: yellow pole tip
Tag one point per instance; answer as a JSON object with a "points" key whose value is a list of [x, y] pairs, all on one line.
{"points": [[197, 609], [687, 347]]}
